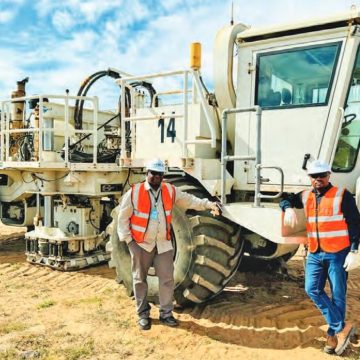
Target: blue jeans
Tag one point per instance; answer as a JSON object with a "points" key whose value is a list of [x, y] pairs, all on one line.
{"points": [[319, 267]]}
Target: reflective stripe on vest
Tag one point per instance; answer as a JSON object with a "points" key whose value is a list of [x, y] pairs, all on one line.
{"points": [[141, 202], [327, 227]]}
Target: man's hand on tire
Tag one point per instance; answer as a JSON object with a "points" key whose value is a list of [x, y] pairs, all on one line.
{"points": [[216, 208]]}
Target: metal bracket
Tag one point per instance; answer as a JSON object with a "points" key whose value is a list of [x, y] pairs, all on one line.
{"points": [[279, 194]]}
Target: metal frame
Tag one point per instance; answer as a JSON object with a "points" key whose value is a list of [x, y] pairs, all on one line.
{"points": [[6, 131], [257, 157], [260, 54]]}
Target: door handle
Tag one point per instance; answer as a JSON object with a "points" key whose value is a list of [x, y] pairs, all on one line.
{"points": [[306, 158]]}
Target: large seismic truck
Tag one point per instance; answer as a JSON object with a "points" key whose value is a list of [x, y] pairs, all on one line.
{"points": [[283, 96]]}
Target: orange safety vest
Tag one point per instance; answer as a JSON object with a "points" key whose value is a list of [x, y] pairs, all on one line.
{"points": [[325, 223], [141, 202]]}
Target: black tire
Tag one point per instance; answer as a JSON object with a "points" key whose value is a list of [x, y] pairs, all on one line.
{"points": [[208, 252], [120, 255]]}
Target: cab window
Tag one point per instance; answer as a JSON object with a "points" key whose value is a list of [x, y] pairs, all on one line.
{"points": [[348, 145], [298, 77]]}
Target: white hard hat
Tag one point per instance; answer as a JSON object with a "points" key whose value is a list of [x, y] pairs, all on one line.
{"points": [[318, 166], [156, 165]]}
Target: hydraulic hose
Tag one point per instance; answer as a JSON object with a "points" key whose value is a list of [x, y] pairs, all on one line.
{"points": [[78, 156], [84, 88], [78, 125]]}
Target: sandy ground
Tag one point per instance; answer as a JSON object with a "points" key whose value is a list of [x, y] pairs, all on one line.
{"points": [[46, 314]]}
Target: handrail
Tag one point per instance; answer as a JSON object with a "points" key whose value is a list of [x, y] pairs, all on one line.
{"points": [[257, 157], [162, 93], [2, 125], [154, 117], [95, 126], [149, 76], [66, 119], [185, 112], [279, 194], [338, 133], [124, 83], [225, 158], [49, 96], [6, 131]]}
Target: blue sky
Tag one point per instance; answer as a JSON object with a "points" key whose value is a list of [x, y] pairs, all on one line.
{"points": [[57, 43]]}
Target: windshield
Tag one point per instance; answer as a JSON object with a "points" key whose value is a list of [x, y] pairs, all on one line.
{"points": [[296, 77]]}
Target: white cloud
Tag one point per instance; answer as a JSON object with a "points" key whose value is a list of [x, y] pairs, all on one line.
{"points": [[6, 16], [85, 11], [165, 43], [12, 2], [11, 71], [129, 13], [9, 9], [63, 21], [92, 10], [171, 4], [81, 43], [44, 7]]}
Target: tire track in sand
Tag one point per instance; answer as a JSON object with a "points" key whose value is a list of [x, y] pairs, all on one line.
{"points": [[12, 274], [267, 311]]}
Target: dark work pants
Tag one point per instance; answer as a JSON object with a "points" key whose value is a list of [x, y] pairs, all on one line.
{"points": [[141, 261]]}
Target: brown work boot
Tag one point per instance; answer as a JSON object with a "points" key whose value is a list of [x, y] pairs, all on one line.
{"points": [[343, 338], [331, 344]]}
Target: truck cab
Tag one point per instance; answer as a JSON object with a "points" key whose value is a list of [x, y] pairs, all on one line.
{"points": [[305, 78]]}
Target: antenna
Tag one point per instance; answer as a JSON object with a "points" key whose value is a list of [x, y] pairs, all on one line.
{"points": [[353, 10], [232, 13]]}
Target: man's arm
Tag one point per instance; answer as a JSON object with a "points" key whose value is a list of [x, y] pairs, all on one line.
{"points": [[291, 201], [188, 201], [125, 212], [287, 205], [352, 218]]}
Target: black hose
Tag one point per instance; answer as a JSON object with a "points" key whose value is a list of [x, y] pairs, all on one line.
{"points": [[81, 157], [76, 110], [203, 85], [150, 89], [82, 102], [84, 88], [210, 96], [76, 155]]}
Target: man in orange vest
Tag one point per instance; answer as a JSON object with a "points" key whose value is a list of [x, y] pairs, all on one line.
{"points": [[145, 224], [332, 224]]}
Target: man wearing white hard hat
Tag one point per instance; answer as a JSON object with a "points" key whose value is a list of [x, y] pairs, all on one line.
{"points": [[332, 224], [145, 224]]}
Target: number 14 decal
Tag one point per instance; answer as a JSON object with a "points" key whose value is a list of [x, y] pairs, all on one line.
{"points": [[170, 130]]}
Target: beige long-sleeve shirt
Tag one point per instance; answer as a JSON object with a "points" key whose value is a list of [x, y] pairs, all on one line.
{"points": [[156, 231]]}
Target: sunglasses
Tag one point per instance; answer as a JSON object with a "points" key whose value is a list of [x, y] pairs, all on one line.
{"points": [[154, 173], [319, 175]]}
